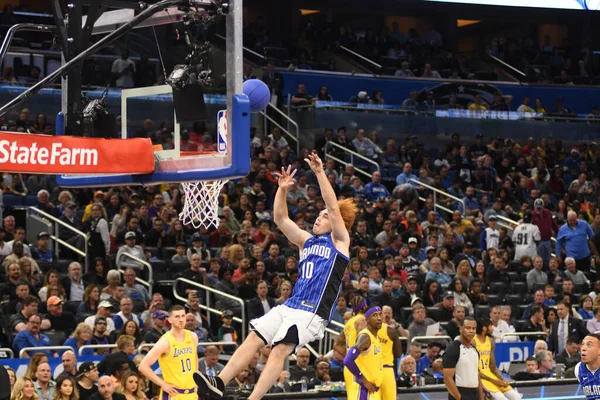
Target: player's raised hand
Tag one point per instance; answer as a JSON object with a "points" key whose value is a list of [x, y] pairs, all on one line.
{"points": [[286, 178], [314, 162]]}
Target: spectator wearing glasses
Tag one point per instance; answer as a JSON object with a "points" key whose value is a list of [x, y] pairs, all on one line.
{"points": [[31, 337]]}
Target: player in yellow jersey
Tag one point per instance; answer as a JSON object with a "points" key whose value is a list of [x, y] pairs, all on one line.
{"points": [[351, 328], [364, 360], [177, 355], [491, 379], [391, 349]]}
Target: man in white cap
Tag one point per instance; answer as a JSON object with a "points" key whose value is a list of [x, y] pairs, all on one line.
{"points": [[132, 249], [104, 309]]}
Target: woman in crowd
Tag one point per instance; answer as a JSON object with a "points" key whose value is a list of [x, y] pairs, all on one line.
{"points": [[34, 361], [354, 271], [363, 259], [447, 265], [130, 328], [99, 238], [12, 377], [481, 273], [80, 337], [98, 273], [430, 293], [119, 220], [91, 298], [175, 233], [586, 310], [113, 207], [324, 94], [551, 316], [24, 389], [66, 388], [30, 271], [113, 277], [464, 272], [561, 212], [460, 296], [131, 386], [285, 291]]}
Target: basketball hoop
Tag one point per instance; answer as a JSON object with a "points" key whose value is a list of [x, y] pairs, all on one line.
{"points": [[201, 204]]}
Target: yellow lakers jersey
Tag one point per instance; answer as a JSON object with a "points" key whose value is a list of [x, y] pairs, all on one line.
{"points": [[370, 361], [485, 350], [350, 330], [179, 365], [387, 345]]}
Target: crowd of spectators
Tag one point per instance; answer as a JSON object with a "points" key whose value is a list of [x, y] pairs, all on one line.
{"points": [[424, 264]]}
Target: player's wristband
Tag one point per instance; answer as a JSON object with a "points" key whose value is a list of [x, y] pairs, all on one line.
{"points": [[350, 362]]}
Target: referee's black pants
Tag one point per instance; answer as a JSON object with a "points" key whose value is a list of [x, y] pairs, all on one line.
{"points": [[466, 394]]}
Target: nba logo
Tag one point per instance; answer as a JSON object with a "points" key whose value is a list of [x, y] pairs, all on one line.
{"points": [[222, 131]]}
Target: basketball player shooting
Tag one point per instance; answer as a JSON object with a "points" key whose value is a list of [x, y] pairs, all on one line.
{"points": [[587, 371], [177, 358], [304, 316]]}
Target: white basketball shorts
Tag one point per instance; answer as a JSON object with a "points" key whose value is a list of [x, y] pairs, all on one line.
{"points": [[283, 324]]}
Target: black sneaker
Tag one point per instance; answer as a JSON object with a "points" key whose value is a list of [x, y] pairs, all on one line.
{"points": [[212, 385]]}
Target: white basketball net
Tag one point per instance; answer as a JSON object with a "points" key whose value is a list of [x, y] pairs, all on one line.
{"points": [[201, 205]]}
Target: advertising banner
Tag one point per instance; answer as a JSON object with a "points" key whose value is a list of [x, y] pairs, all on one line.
{"points": [[30, 153]]}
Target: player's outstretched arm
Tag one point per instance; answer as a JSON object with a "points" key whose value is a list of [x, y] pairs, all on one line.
{"points": [[280, 210], [338, 228], [161, 347]]}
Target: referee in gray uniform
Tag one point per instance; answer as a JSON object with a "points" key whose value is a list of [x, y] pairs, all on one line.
{"points": [[461, 365]]}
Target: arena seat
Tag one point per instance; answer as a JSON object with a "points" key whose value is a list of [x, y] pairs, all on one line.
{"points": [[518, 288], [538, 286], [72, 306], [138, 306], [581, 288], [499, 287], [557, 287], [62, 266], [82, 316], [154, 251], [57, 338], [177, 267], [168, 252], [435, 313], [482, 311], [521, 309], [494, 300], [514, 277]]}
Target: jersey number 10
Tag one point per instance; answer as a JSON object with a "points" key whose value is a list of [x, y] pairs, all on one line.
{"points": [[187, 367], [307, 270]]}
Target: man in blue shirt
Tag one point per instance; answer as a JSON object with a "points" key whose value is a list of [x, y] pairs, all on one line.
{"points": [[406, 175], [436, 272], [574, 237], [374, 189], [432, 352], [31, 337]]}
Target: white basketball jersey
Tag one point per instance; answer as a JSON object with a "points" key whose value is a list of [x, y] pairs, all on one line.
{"points": [[524, 238]]}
